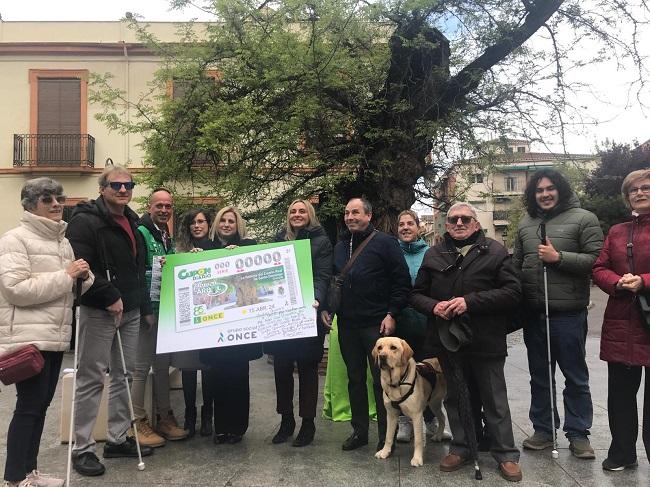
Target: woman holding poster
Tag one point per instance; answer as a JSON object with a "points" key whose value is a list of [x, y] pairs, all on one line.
{"points": [[229, 365], [306, 352], [193, 237]]}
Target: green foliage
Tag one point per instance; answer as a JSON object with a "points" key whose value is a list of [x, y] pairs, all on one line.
{"points": [[338, 98]]}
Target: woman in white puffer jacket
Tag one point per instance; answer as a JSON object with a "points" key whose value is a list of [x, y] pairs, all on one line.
{"points": [[37, 276]]}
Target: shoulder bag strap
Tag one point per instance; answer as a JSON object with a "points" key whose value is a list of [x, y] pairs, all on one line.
{"points": [[629, 247], [356, 253]]}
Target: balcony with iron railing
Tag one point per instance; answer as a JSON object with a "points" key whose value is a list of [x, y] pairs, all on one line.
{"points": [[54, 150], [501, 218]]}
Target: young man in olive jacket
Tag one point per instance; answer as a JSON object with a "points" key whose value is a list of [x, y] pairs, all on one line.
{"points": [[573, 241], [470, 277], [374, 291], [103, 233]]}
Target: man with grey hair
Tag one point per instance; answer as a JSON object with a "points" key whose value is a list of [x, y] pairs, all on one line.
{"points": [[467, 286], [104, 233]]}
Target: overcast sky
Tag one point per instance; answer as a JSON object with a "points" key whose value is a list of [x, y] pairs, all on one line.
{"points": [[616, 121]]}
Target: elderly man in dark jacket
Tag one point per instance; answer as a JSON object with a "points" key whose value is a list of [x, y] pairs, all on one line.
{"points": [[573, 241], [470, 276], [375, 289]]}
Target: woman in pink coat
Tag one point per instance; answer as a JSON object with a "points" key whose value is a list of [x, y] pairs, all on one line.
{"points": [[623, 272]]}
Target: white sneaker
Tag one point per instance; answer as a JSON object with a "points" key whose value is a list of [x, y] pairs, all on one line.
{"points": [[404, 429], [39, 479]]}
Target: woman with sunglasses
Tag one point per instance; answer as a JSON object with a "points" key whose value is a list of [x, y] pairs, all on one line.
{"points": [[38, 273], [229, 365], [623, 271], [193, 237], [306, 353]]}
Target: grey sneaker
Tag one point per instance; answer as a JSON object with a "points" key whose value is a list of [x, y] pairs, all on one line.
{"points": [[44, 480], [581, 448], [539, 441]]}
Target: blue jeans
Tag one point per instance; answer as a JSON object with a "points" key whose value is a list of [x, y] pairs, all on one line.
{"points": [[568, 336]]}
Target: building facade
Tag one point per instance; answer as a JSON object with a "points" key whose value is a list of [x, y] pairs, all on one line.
{"points": [[49, 127]]}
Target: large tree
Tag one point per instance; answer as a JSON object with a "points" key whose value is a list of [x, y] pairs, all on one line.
{"points": [[337, 98], [603, 186]]}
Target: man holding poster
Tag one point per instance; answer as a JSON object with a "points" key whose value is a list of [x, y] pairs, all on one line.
{"points": [[375, 289]]}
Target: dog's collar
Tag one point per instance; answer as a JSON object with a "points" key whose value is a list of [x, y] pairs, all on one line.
{"points": [[402, 382]]}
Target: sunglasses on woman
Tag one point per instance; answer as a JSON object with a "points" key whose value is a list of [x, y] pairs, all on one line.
{"points": [[48, 199]]}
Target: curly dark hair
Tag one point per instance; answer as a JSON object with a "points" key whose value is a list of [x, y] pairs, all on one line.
{"points": [[184, 238], [561, 184]]}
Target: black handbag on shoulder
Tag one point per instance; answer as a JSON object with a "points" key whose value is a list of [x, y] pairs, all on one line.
{"points": [[336, 282]]}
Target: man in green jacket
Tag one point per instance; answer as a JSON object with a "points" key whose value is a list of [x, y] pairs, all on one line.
{"points": [[158, 242], [573, 241]]}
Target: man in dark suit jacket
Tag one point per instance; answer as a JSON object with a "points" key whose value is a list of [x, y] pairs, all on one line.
{"points": [[375, 289]]}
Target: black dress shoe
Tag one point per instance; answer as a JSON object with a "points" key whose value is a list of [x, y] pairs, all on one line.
{"points": [[354, 441], [126, 449], [220, 438], [88, 464], [287, 427], [189, 424], [306, 434], [233, 438]]}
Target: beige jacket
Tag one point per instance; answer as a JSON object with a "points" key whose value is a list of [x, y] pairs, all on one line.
{"points": [[36, 293]]}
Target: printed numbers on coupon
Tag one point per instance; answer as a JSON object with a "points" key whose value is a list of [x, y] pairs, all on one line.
{"points": [[258, 260]]}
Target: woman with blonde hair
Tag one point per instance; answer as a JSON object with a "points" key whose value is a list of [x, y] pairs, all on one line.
{"points": [[622, 270], [302, 224], [229, 365]]}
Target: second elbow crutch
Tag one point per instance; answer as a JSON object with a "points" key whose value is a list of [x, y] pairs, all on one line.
{"points": [[554, 452]]}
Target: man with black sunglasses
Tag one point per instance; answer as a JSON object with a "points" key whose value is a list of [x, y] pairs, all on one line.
{"points": [[104, 233], [563, 240], [467, 284]]}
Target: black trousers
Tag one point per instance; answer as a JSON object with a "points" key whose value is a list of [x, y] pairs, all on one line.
{"points": [[308, 384], [356, 348], [189, 389], [230, 386], [24, 436], [491, 382], [623, 385]]}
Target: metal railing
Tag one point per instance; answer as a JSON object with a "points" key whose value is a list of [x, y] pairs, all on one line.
{"points": [[58, 150], [501, 215]]}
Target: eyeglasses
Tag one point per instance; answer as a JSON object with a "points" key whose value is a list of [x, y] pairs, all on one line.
{"points": [[48, 199], [645, 189], [117, 185], [198, 222], [453, 220]]}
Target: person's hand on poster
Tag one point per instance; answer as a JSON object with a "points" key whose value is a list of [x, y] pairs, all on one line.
{"points": [[163, 259], [195, 250], [315, 304], [231, 246]]}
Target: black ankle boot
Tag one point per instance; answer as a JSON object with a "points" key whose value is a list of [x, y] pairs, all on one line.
{"points": [[287, 426], [206, 421], [189, 424], [306, 434]]}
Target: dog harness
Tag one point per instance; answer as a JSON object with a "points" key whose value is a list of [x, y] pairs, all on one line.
{"points": [[424, 369]]}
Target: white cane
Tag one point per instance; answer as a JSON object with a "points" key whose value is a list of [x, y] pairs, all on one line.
{"points": [[128, 392], [554, 452], [74, 378]]}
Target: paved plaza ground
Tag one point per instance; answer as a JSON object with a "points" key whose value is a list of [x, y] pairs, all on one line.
{"points": [[257, 462]]}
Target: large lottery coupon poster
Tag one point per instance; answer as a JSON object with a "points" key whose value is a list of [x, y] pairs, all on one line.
{"points": [[228, 297]]}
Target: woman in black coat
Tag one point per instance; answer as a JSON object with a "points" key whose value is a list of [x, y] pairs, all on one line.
{"points": [[193, 237], [306, 352], [229, 365]]}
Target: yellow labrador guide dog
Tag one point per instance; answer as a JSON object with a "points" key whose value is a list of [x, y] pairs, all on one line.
{"points": [[408, 391]]}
